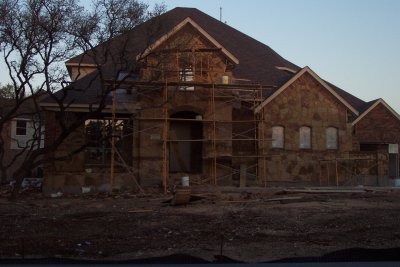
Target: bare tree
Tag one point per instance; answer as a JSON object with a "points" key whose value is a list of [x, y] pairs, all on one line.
{"points": [[36, 37]]}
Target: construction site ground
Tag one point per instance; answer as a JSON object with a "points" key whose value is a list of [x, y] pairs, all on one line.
{"points": [[249, 224]]}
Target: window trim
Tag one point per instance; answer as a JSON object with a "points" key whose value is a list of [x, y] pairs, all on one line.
{"points": [[309, 137], [282, 136], [337, 138]]}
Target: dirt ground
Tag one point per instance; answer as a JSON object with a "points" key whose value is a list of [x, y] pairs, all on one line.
{"points": [[251, 225]]}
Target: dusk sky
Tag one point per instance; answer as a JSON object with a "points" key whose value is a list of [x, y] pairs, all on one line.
{"points": [[353, 44]]}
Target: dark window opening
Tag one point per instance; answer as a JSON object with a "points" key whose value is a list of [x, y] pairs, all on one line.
{"points": [[185, 151], [373, 147], [99, 138], [20, 128], [394, 166]]}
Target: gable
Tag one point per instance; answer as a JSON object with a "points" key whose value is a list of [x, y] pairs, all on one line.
{"points": [[179, 27], [324, 85], [379, 104], [378, 124], [306, 103]]}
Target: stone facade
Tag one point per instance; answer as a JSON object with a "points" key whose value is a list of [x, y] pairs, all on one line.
{"points": [[205, 127], [208, 65], [304, 103]]}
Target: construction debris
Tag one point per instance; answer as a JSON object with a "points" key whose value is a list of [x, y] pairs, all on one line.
{"points": [[322, 191], [181, 196]]}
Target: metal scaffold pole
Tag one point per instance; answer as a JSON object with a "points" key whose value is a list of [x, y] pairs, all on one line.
{"points": [[264, 163], [214, 165], [112, 165], [165, 139]]}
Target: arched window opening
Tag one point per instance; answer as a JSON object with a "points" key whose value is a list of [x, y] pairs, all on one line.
{"points": [[331, 138], [305, 137], [278, 137]]}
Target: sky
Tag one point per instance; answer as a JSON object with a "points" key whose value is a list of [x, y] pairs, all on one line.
{"points": [[353, 44]]}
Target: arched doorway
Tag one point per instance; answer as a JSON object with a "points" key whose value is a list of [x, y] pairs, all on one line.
{"points": [[185, 152]]}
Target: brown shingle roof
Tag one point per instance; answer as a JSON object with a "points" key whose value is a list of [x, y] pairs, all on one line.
{"points": [[27, 107], [257, 61], [355, 102]]}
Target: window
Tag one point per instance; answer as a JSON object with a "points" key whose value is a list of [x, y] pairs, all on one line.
{"points": [[186, 75], [20, 128], [278, 133], [98, 141], [305, 137], [331, 138]]}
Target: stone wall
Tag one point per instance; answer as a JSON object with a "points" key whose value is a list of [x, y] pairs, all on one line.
{"points": [[150, 126], [72, 173], [304, 103], [188, 47]]}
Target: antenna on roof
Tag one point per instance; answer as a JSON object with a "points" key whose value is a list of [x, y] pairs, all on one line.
{"points": [[220, 13]]}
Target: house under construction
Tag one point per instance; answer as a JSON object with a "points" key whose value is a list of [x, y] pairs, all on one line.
{"points": [[195, 97]]}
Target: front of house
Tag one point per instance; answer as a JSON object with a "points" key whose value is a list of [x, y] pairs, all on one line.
{"points": [[206, 101]]}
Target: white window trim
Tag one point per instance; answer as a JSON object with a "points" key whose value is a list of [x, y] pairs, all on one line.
{"points": [[15, 128], [328, 139], [308, 144], [278, 140]]}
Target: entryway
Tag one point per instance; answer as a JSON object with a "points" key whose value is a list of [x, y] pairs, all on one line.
{"points": [[185, 149]]}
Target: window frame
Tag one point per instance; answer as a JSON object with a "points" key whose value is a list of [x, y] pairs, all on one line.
{"points": [[186, 74], [24, 128], [309, 137], [98, 138], [327, 139], [281, 137]]}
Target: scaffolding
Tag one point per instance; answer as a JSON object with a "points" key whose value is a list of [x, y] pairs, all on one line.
{"points": [[197, 77], [217, 95]]}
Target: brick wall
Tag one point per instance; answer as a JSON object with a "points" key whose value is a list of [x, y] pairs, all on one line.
{"points": [[378, 126]]}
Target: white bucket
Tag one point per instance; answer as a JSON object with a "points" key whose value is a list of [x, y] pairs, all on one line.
{"points": [[185, 181], [86, 189]]}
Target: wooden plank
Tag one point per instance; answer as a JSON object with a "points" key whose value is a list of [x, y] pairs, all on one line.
{"points": [[283, 199], [139, 211], [323, 191], [240, 201]]}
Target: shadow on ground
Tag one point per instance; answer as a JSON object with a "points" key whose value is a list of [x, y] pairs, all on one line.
{"points": [[347, 255]]}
